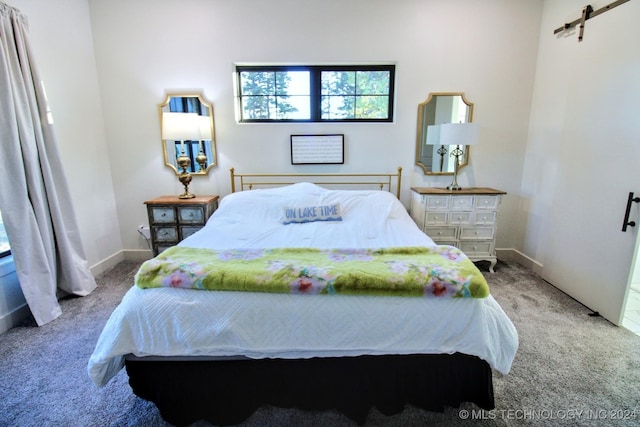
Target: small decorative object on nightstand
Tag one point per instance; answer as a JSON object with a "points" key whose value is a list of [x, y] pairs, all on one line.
{"points": [[465, 218], [173, 219]]}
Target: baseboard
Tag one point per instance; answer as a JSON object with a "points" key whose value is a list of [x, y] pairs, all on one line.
{"points": [[137, 254], [107, 263], [118, 257], [511, 254]]}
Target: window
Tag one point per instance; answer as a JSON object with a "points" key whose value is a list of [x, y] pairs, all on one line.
{"points": [[316, 93], [5, 249]]}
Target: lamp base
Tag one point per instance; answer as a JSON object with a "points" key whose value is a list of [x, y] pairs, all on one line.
{"points": [[457, 152], [185, 177]]}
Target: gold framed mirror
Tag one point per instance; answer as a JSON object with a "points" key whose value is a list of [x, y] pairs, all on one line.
{"points": [[440, 108], [200, 145]]}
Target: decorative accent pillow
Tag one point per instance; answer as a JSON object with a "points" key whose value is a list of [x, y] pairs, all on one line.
{"points": [[302, 214]]}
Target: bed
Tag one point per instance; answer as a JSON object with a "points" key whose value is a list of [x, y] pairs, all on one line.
{"points": [[209, 344]]}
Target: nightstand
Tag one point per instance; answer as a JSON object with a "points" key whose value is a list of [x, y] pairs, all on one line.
{"points": [[172, 219], [466, 219]]}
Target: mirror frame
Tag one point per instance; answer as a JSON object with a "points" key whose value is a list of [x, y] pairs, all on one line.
{"points": [[420, 136], [203, 101]]}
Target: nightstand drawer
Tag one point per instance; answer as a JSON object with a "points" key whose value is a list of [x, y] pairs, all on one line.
{"points": [[487, 202], [460, 217], [191, 215], [476, 233], [442, 233], [165, 234], [162, 248], [462, 203], [188, 231], [162, 214], [437, 203], [477, 248], [485, 218], [436, 218]]}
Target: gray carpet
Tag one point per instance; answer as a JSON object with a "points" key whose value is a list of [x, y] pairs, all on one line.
{"points": [[571, 369]]}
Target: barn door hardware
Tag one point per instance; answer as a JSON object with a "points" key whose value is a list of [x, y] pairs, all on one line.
{"points": [[588, 13], [626, 222]]}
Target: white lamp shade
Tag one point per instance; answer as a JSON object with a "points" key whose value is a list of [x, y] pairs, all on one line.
{"points": [[433, 135], [180, 126], [459, 134], [205, 128]]}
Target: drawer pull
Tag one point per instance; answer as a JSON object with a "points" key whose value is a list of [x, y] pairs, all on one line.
{"points": [[476, 233], [475, 248], [459, 218], [163, 214]]}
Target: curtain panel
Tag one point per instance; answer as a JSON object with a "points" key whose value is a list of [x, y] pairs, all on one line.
{"points": [[35, 199]]}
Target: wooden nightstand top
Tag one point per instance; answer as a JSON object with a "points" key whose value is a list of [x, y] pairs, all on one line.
{"points": [[175, 200], [444, 191]]}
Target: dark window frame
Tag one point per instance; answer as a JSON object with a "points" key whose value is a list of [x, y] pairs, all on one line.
{"points": [[315, 90]]}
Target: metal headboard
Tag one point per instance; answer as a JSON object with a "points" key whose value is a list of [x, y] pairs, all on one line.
{"points": [[247, 181]]}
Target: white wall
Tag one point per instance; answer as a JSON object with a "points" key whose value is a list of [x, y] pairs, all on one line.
{"points": [[107, 64], [61, 39], [145, 47]]}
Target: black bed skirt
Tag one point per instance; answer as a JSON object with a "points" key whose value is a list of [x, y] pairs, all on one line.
{"points": [[226, 392]]}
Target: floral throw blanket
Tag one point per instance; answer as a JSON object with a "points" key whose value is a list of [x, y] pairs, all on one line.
{"points": [[440, 271]]}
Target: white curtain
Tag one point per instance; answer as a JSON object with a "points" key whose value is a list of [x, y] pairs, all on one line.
{"points": [[34, 196]]}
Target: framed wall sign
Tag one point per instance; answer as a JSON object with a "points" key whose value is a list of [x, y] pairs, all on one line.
{"points": [[317, 149]]}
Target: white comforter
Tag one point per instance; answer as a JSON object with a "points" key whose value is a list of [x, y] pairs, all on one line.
{"points": [[183, 322], [252, 219]]}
